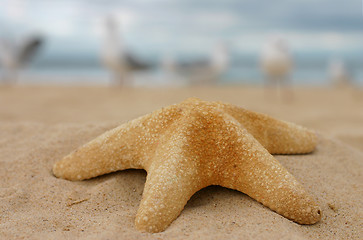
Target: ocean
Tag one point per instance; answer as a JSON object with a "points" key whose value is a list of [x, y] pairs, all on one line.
{"points": [[241, 71]]}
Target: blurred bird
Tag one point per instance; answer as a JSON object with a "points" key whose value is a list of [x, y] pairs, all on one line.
{"points": [[201, 71], [116, 57], [220, 58], [338, 73], [168, 63], [276, 63], [16, 55]]}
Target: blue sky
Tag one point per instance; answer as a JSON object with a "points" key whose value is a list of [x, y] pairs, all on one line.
{"points": [[159, 27]]}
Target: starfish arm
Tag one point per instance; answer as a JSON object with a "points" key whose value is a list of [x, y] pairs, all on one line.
{"points": [[128, 146], [112, 151], [171, 180], [278, 137], [258, 174]]}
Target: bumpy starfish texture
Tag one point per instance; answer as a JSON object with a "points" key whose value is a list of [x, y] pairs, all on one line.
{"points": [[192, 145]]}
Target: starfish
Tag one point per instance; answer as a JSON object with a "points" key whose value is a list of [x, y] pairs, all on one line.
{"points": [[191, 145]]}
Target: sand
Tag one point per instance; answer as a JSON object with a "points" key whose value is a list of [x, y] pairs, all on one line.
{"points": [[40, 125]]}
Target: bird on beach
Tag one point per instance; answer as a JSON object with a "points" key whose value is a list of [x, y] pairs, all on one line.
{"points": [[15, 55], [219, 60], [116, 57], [338, 73], [201, 71], [276, 63]]}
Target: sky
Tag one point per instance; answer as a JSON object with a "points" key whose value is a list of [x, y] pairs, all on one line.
{"points": [[153, 28]]}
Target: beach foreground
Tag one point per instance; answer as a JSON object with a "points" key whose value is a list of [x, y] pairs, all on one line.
{"points": [[40, 125]]}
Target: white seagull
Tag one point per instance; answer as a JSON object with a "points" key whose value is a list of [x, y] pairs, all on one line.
{"points": [[276, 62], [115, 56], [200, 71], [338, 73], [14, 55]]}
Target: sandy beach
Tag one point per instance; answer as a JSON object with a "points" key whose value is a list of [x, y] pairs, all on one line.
{"points": [[40, 125]]}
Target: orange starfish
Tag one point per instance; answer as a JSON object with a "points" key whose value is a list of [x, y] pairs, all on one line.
{"points": [[192, 145]]}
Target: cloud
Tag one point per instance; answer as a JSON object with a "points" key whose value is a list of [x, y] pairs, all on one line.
{"points": [[302, 41], [188, 25]]}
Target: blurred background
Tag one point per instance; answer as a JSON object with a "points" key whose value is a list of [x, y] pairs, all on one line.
{"points": [[158, 43]]}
